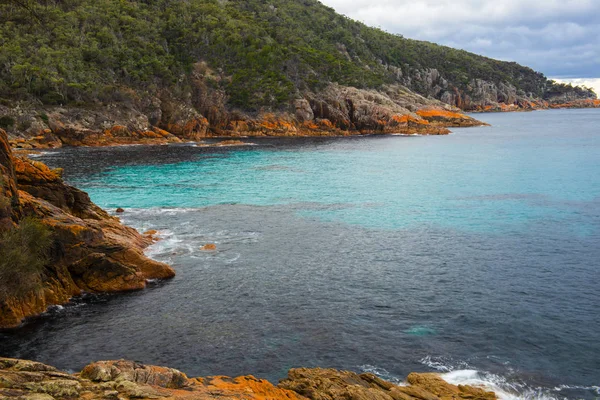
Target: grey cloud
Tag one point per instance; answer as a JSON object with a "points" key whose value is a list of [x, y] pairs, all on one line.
{"points": [[560, 38]]}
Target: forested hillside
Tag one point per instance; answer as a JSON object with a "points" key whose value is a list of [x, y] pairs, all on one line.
{"points": [[194, 67], [263, 52]]}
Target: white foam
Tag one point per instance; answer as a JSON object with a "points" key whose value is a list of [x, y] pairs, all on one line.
{"points": [[575, 387], [40, 154], [461, 373], [383, 374], [504, 390]]}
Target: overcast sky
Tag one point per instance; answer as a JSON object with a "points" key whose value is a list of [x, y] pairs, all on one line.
{"points": [[560, 38]]}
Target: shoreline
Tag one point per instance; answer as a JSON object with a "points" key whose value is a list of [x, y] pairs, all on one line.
{"points": [[433, 122], [123, 379]]}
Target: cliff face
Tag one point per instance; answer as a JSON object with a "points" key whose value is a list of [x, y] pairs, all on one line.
{"points": [[127, 380], [91, 251], [109, 72], [487, 95], [333, 111]]}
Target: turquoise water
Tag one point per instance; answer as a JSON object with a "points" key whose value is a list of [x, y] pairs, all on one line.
{"points": [[475, 254], [498, 179]]}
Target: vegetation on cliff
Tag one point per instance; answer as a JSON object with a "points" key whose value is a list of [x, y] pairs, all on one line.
{"points": [[23, 255], [55, 243], [260, 54]]}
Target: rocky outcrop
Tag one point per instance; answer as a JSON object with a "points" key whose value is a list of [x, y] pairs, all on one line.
{"points": [[112, 124], [334, 111], [128, 380], [447, 118], [330, 384], [587, 103], [480, 95], [91, 252], [342, 111]]}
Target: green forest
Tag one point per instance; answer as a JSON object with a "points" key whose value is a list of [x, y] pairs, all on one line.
{"points": [[261, 53]]}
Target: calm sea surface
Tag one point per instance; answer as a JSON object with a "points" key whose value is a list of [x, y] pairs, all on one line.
{"points": [[475, 254]]}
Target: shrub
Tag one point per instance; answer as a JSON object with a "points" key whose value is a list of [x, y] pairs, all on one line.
{"points": [[4, 201], [23, 255], [6, 122]]}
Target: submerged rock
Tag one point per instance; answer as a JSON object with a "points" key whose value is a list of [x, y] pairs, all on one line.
{"points": [[128, 380]]}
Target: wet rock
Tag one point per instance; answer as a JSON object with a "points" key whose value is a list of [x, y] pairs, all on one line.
{"points": [[209, 247], [329, 384]]}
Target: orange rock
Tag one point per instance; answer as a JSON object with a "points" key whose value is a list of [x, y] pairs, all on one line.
{"points": [[317, 383], [151, 232], [448, 118], [231, 143], [209, 247], [251, 388], [97, 254], [127, 379], [120, 210]]}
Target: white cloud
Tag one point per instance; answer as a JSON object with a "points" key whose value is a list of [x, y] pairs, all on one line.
{"points": [[556, 37], [593, 83]]}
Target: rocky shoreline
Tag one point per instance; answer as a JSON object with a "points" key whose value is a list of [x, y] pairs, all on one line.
{"points": [[335, 111], [90, 250], [21, 379]]}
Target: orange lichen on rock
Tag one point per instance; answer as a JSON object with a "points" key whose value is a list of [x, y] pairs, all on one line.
{"points": [[405, 119], [161, 132], [34, 171], [273, 123], [127, 380], [431, 113], [97, 253], [587, 103], [250, 387], [442, 117], [317, 383]]}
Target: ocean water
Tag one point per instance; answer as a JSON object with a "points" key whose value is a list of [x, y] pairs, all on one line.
{"points": [[475, 254]]}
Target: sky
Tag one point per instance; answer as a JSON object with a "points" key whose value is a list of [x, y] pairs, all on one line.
{"points": [[560, 38]]}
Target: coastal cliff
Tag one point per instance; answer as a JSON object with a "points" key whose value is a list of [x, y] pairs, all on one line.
{"points": [[130, 380], [334, 111], [89, 250], [96, 73]]}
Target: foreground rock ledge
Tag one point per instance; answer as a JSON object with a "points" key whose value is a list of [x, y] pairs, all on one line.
{"points": [[130, 380]]}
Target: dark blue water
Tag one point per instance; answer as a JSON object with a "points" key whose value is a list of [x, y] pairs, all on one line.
{"points": [[475, 254]]}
